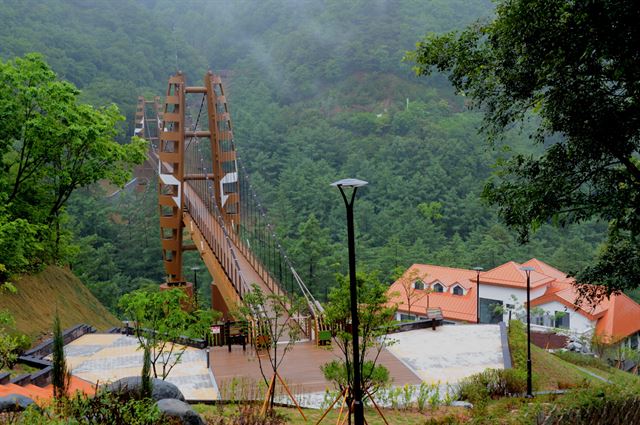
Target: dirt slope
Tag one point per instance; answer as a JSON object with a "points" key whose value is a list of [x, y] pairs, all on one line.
{"points": [[39, 295]]}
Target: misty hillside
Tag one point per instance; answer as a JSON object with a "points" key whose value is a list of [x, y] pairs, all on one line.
{"points": [[318, 91]]}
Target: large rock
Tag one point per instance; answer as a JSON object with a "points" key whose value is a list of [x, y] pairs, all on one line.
{"points": [[161, 389], [14, 403], [180, 409]]}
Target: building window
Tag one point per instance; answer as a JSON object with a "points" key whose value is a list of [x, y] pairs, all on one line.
{"points": [[457, 290], [418, 284], [438, 288], [407, 317], [563, 320], [491, 310]]}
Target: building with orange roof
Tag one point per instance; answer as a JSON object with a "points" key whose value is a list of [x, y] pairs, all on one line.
{"points": [[503, 290]]}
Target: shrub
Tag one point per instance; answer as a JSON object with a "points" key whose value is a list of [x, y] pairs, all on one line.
{"points": [[407, 396], [518, 344], [515, 381], [423, 395], [492, 383], [596, 406], [103, 408], [250, 415], [445, 420]]}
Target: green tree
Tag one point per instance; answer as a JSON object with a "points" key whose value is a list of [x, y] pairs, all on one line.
{"points": [[160, 320], [313, 252], [375, 318], [51, 145], [273, 319], [569, 70], [60, 375], [147, 383], [11, 344], [412, 288]]}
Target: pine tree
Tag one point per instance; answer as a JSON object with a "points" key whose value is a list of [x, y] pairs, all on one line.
{"points": [[59, 374]]}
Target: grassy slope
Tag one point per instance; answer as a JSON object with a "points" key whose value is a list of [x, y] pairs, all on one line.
{"points": [[39, 295], [601, 368], [554, 373], [551, 372], [616, 376]]}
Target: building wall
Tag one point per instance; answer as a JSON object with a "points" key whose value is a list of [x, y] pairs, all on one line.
{"points": [[578, 323], [505, 293]]}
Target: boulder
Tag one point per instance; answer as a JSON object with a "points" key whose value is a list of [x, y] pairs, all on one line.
{"points": [[14, 403], [161, 389], [180, 409], [462, 403]]}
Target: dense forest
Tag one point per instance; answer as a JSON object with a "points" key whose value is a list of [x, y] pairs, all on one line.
{"points": [[318, 91]]}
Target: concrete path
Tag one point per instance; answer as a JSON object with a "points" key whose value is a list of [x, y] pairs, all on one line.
{"points": [[102, 358], [588, 372], [449, 353]]}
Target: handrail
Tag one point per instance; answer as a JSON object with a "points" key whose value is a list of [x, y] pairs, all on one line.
{"points": [[226, 257]]}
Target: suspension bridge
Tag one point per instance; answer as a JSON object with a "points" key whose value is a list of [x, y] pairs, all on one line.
{"points": [[207, 203], [205, 196]]}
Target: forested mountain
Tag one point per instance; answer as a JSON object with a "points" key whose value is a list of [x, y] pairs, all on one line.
{"points": [[318, 91]]}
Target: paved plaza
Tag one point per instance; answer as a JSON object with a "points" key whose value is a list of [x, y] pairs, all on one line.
{"points": [[102, 358], [449, 353], [445, 355]]}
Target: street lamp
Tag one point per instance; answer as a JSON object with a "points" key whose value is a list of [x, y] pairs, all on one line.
{"points": [[528, 270], [478, 269], [358, 413], [195, 283]]}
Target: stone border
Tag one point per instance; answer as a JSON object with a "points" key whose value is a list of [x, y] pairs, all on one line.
{"points": [[35, 357], [46, 347], [504, 340]]}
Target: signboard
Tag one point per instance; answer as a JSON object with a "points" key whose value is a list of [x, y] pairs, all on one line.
{"points": [[215, 330]]}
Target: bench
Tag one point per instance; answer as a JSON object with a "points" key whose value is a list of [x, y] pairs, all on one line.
{"points": [[236, 333]]}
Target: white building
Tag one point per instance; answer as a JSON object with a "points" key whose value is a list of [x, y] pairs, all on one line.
{"points": [[503, 291]]}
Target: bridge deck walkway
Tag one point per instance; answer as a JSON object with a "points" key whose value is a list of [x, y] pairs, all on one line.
{"points": [[210, 227]]}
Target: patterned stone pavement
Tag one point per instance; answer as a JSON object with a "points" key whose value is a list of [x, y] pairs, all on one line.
{"points": [[102, 358]]}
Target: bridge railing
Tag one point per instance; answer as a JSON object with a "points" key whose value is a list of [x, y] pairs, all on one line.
{"points": [[211, 226]]}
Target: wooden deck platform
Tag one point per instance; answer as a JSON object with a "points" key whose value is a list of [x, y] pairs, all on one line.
{"points": [[300, 369]]}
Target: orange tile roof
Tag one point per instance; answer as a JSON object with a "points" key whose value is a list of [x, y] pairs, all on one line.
{"points": [[511, 274], [446, 275], [545, 269], [454, 307], [621, 319], [566, 294], [616, 317]]}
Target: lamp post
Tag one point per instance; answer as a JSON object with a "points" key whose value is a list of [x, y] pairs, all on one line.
{"points": [[195, 283], [528, 270], [478, 269], [358, 408]]}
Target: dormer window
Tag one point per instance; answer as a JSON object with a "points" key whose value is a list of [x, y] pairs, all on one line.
{"points": [[457, 290], [437, 287], [418, 284]]}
